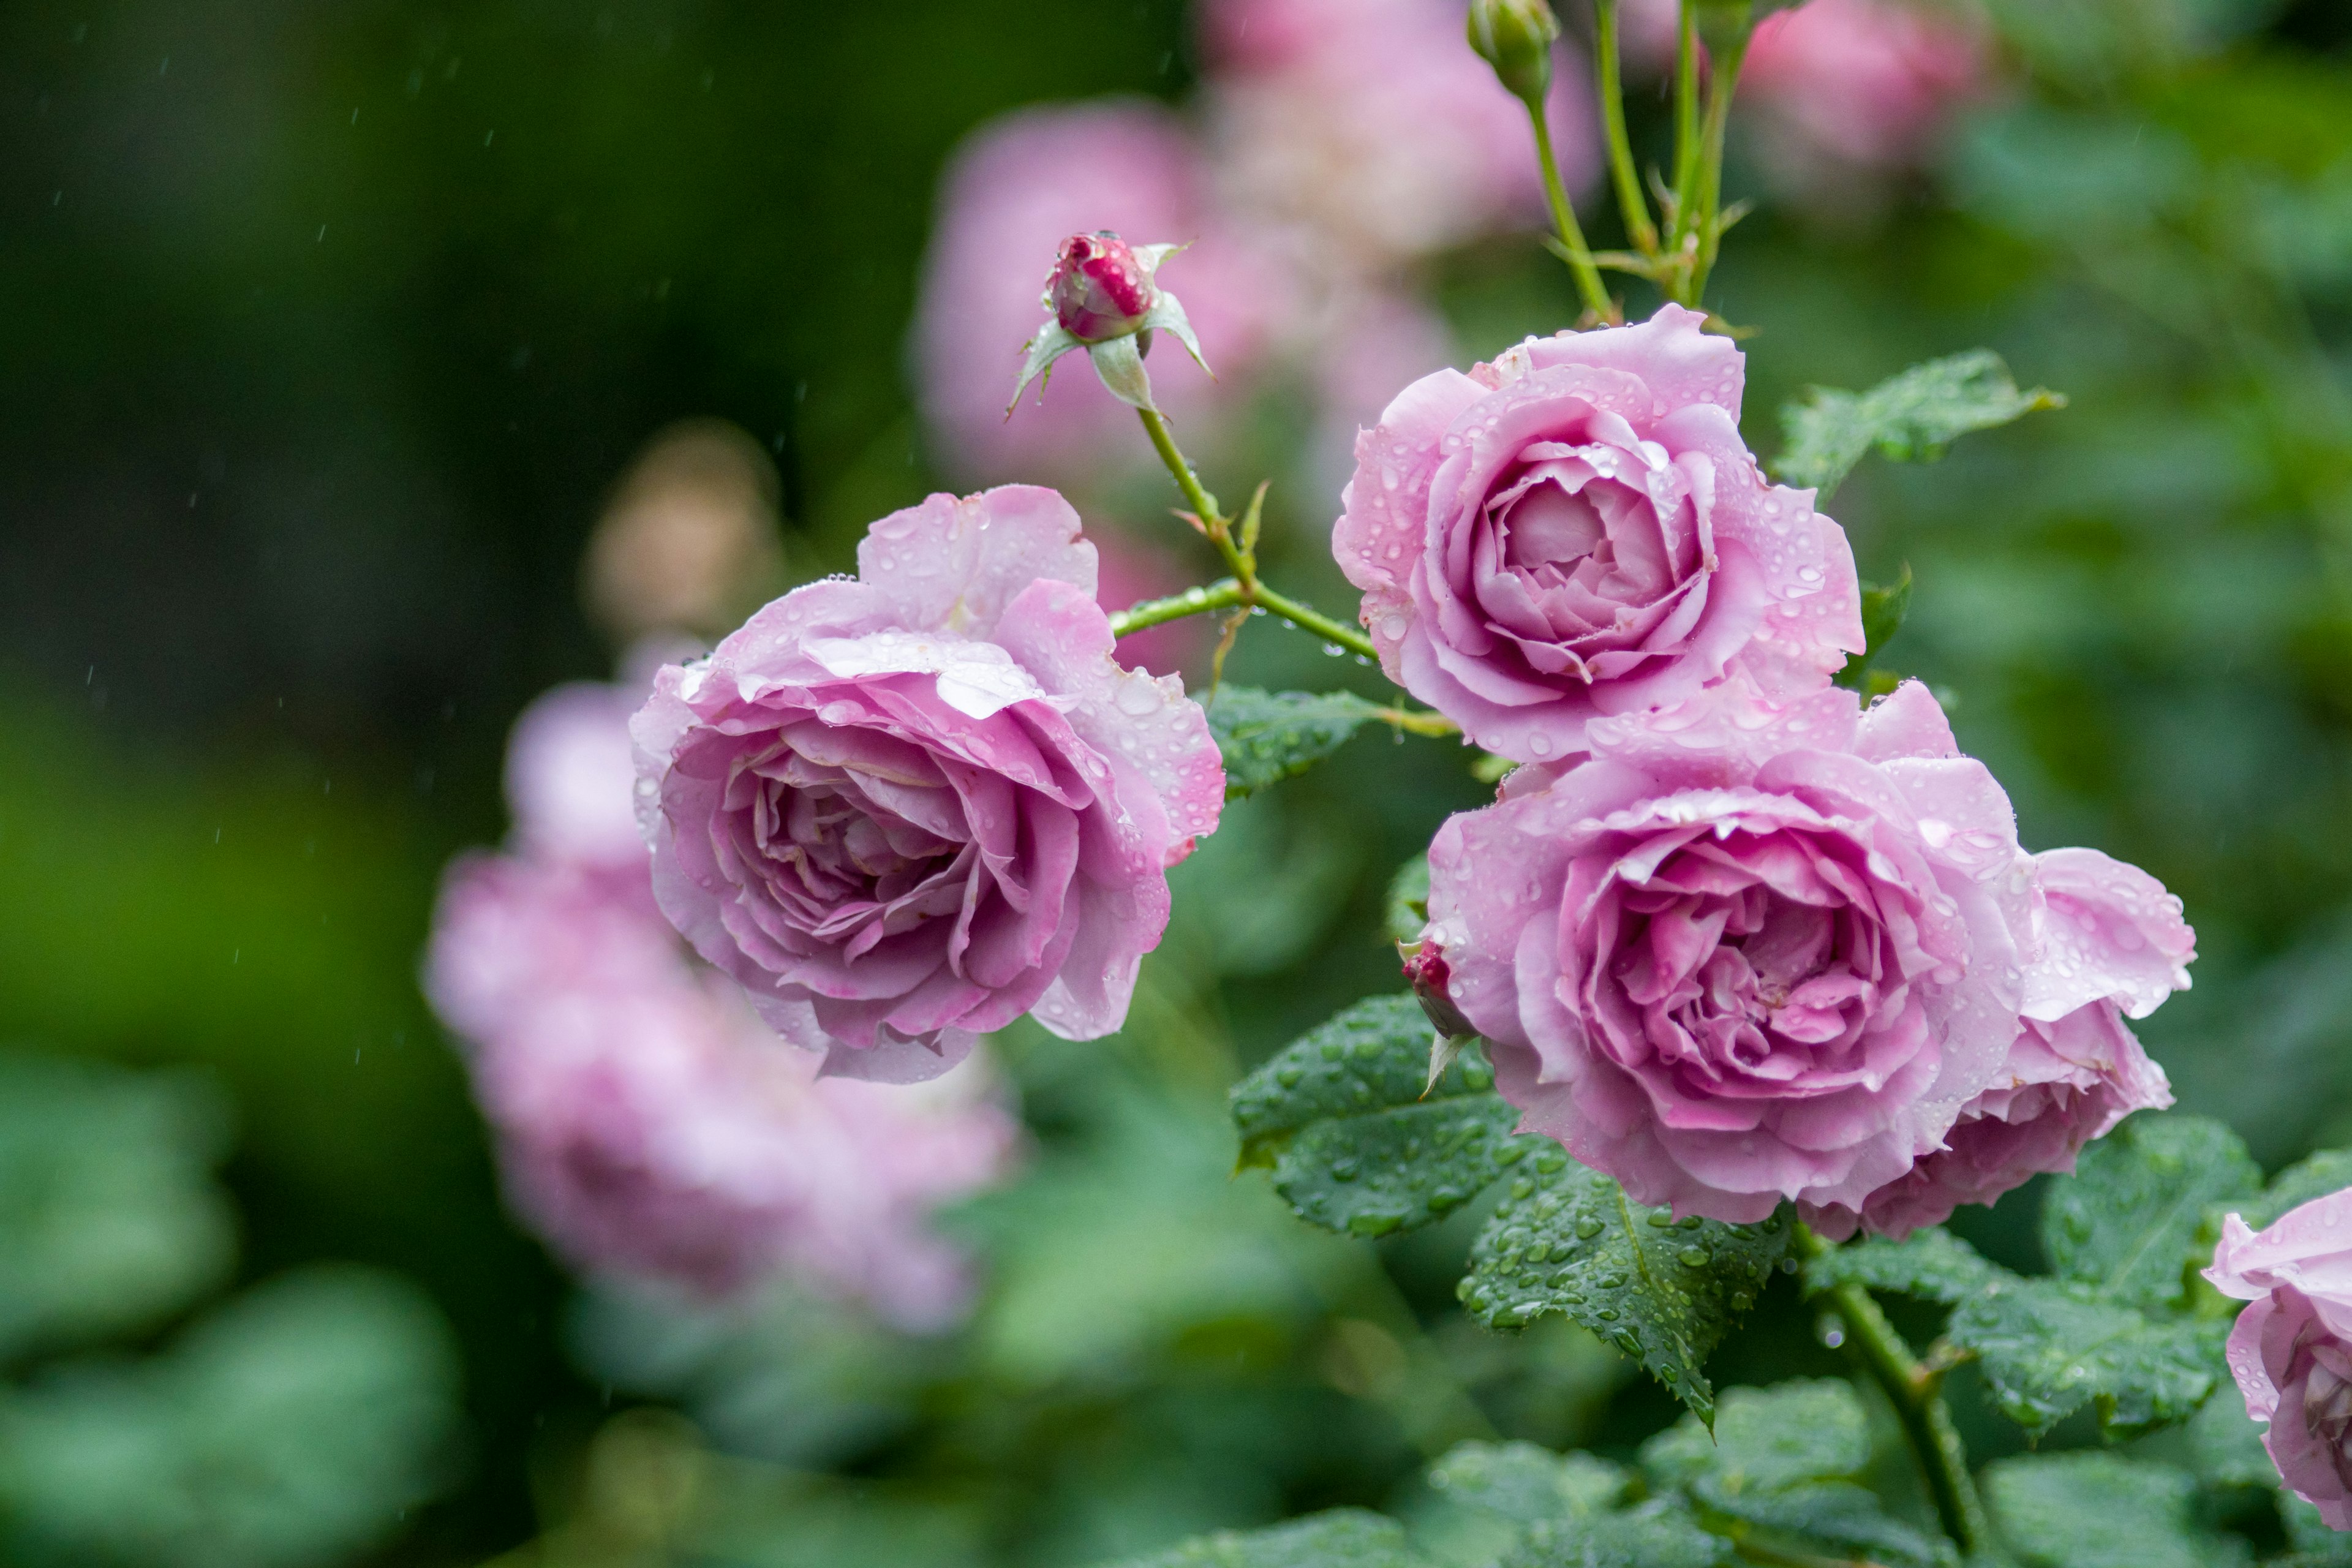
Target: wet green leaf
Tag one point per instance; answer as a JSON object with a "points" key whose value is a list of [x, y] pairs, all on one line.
{"points": [[1932, 1264], [1910, 417], [1268, 736], [2050, 1347], [1568, 1240], [1342, 1538], [1358, 1138], [2102, 1510], [2129, 1221]]}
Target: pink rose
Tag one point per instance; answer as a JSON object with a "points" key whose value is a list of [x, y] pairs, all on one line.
{"points": [[1576, 531], [647, 1123], [1746, 952], [1014, 190], [1372, 127], [2107, 942], [903, 810], [2291, 1350]]}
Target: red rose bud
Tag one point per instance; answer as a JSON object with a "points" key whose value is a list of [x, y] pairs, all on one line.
{"points": [[1100, 289], [1425, 970]]}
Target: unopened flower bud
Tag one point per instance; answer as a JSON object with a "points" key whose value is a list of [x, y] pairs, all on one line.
{"points": [[1515, 36], [1426, 971], [1100, 289]]}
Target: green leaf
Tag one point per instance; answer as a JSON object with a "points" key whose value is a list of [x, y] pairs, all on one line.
{"points": [[1568, 1240], [1768, 1439], [1269, 736], [1932, 1264], [1910, 417], [1408, 900], [2225, 1443], [1778, 1472], [2102, 1510], [1519, 1485], [1883, 610], [1355, 1143], [110, 1217], [2130, 1220], [294, 1426], [2329, 1170], [1342, 1538], [2317, 1544], [2050, 1347], [1661, 1533]]}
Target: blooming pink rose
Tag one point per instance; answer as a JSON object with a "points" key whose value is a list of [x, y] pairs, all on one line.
{"points": [[647, 1123], [903, 810], [1865, 82], [1371, 125], [2291, 1350], [2107, 942], [1746, 951], [1576, 531], [1016, 188]]}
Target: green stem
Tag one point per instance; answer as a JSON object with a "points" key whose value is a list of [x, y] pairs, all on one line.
{"points": [[1917, 1393], [1563, 218], [1685, 123], [1204, 504], [1631, 203], [1722, 82], [1226, 594], [1243, 589]]}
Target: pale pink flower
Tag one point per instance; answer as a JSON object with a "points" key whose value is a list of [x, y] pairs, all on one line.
{"points": [[1372, 127], [901, 811], [1866, 83], [1748, 952], [647, 1123], [1578, 530], [2107, 942], [2291, 1350]]}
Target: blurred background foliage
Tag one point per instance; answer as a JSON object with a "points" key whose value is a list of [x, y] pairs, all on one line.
{"points": [[328, 330]]}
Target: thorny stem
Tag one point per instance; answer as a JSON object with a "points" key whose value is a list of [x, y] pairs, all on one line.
{"points": [[1631, 203], [1917, 1393], [1243, 589], [1563, 218]]}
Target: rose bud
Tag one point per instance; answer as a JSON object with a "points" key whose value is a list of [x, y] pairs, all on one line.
{"points": [[1100, 289], [1515, 36], [1426, 971], [1105, 298]]}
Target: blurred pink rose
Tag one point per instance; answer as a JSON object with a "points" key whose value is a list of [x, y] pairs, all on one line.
{"points": [[1576, 531], [1017, 187], [902, 811], [1747, 951], [1131, 571], [2107, 942], [1371, 126], [647, 1123], [2291, 1350], [1868, 83]]}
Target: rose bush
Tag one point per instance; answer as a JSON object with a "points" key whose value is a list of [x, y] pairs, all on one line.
{"points": [[1576, 531], [903, 810], [1751, 951], [2291, 1350]]}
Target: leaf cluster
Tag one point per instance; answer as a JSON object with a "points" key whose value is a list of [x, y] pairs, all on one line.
{"points": [[1777, 1480], [1359, 1142], [2121, 1323], [1909, 417]]}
